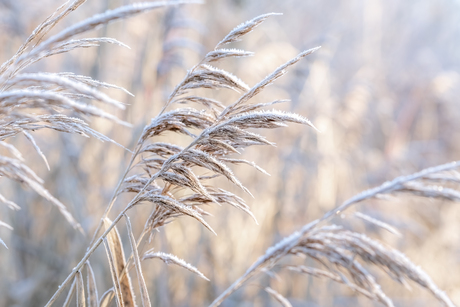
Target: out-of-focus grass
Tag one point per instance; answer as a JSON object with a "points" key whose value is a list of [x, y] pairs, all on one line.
{"points": [[383, 90]]}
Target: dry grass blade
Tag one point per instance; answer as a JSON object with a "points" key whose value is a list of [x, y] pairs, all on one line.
{"points": [[394, 185], [114, 273], [444, 176], [266, 119], [207, 102], [278, 297], [91, 286], [333, 276], [136, 184], [161, 149], [11, 205], [219, 54], [201, 158], [184, 177], [176, 206], [221, 197], [47, 79], [435, 191], [37, 149], [109, 16], [252, 107], [68, 299], [168, 258], [280, 71], [244, 28], [177, 121], [160, 216], [119, 262], [48, 100], [16, 170], [106, 298], [123, 12], [81, 300], [236, 137], [3, 243], [137, 262], [91, 82], [73, 44], [238, 161], [59, 48], [216, 147], [13, 150], [58, 122], [42, 29], [212, 78], [378, 223]]}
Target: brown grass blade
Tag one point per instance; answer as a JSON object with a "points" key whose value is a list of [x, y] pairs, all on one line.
{"points": [[81, 300], [106, 298], [137, 262], [119, 261], [114, 273], [68, 298], [91, 286]]}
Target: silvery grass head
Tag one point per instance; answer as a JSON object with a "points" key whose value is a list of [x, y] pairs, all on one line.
{"points": [[34, 101], [347, 257], [167, 178]]}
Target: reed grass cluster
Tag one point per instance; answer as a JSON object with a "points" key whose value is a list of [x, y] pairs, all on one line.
{"points": [[181, 181]]}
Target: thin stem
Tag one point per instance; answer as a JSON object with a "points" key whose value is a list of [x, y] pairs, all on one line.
{"points": [[100, 240], [115, 194], [89, 252], [128, 262], [86, 257], [232, 288], [176, 89]]}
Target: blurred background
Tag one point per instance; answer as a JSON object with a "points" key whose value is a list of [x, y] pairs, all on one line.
{"points": [[382, 89]]}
